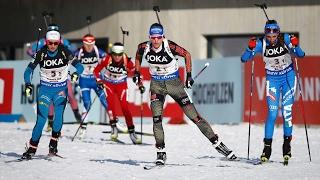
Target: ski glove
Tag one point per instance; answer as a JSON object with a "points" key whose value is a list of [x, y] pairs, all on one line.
{"points": [[136, 78], [100, 84], [189, 80], [28, 89], [252, 43], [142, 89], [294, 41], [74, 77]]}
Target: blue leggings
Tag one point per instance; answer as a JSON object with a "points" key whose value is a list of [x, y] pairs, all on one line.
{"points": [[45, 98], [276, 85], [86, 84]]}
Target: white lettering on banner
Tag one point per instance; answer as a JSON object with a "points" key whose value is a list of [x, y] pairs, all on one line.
{"points": [[277, 50], [52, 62], [1, 91], [154, 58], [213, 93], [317, 88], [260, 83], [308, 89]]}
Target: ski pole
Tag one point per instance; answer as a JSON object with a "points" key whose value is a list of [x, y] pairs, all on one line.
{"points": [[205, 66], [302, 107], [123, 34], [84, 118], [250, 106], [141, 114], [156, 9], [263, 7]]}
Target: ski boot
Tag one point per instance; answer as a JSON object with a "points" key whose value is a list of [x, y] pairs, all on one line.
{"points": [[83, 130], [286, 149], [133, 136], [53, 150], [114, 130], [161, 157], [30, 151], [224, 150], [265, 156], [50, 123]]}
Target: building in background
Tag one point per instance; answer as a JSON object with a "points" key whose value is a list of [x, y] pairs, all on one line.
{"points": [[208, 28]]}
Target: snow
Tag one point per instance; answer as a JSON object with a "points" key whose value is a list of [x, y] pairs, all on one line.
{"points": [[190, 155]]}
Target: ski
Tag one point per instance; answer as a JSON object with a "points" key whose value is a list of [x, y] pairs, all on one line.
{"points": [[55, 155], [149, 167], [137, 132], [117, 141]]}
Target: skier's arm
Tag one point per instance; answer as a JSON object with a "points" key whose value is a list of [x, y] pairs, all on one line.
{"points": [[180, 51], [130, 66], [30, 68], [99, 67], [293, 43], [139, 54], [252, 50]]}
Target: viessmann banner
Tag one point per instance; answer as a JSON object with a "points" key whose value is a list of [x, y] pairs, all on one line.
{"points": [[309, 68]]}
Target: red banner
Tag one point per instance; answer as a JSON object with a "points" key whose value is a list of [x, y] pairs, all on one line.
{"points": [[6, 90], [171, 109], [309, 69]]}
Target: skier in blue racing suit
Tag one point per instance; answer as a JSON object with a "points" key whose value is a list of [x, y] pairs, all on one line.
{"points": [[277, 50], [53, 59], [89, 55]]}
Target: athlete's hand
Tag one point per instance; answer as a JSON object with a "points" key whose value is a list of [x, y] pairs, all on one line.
{"points": [[100, 84], [28, 89], [136, 77], [189, 80], [142, 89], [252, 43], [294, 40], [74, 77]]}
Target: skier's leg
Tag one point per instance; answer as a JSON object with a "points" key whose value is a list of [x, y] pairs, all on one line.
{"points": [[178, 93], [43, 103], [111, 98], [73, 102], [50, 118], [158, 94], [288, 90], [59, 102], [272, 95]]}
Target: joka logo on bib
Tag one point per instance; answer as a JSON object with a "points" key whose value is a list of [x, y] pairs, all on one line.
{"points": [[155, 58], [274, 51], [52, 62]]}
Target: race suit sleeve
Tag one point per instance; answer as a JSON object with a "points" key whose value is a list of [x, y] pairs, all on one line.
{"points": [[249, 54], [139, 55], [130, 67], [296, 50], [31, 66], [99, 67], [74, 62], [180, 51]]}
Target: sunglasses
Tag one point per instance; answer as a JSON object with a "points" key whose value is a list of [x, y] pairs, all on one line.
{"points": [[271, 31], [117, 54], [53, 43], [156, 37]]}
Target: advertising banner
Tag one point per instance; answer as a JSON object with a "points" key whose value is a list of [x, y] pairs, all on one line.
{"points": [[309, 68]]}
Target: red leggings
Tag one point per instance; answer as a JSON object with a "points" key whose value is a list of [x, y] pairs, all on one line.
{"points": [[118, 91]]}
